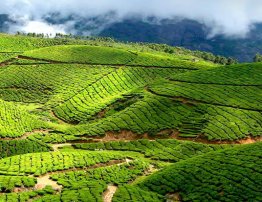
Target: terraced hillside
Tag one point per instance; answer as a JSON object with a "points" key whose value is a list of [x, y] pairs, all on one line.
{"points": [[86, 120]]}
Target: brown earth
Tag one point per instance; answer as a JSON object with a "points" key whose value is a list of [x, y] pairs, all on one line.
{"points": [[109, 193], [56, 147], [173, 197], [44, 181], [126, 136]]}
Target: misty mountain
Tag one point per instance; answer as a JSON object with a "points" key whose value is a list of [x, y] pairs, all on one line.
{"points": [[185, 33], [3, 19], [189, 34]]}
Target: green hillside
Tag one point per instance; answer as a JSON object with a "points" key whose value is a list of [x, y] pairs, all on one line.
{"points": [[98, 120]]}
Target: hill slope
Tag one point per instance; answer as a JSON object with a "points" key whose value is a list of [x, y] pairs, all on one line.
{"points": [[89, 120]]}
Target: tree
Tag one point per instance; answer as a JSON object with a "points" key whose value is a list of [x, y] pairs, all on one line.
{"points": [[257, 58]]}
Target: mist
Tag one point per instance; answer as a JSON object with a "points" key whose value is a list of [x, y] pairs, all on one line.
{"points": [[231, 18]]}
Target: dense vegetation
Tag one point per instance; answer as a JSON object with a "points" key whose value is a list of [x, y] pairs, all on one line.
{"points": [[216, 176], [257, 58], [15, 147], [98, 120], [114, 56]]}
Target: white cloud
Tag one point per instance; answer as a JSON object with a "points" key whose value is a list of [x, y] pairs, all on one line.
{"points": [[39, 27], [228, 17]]}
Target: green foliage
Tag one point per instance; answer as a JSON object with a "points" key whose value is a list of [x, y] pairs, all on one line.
{"points": [[257, 58], [130, 193], [15, 147], [33, 84], [80, 90], [104, 92], [160, 149], [15, 120], [112, 56], [52, 137], [8, 183], [17, 197], [200, 54], [92, 192], [6, 56], [151, 114], [115, 174], [41, 163], [242, 75], [243, 97], [11, 43], [217, 176]]}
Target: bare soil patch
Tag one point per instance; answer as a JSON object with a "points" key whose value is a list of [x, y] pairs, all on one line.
{"points": [[109, 193], [44, 181], [57, 146], [126, 136], [173, 197]]}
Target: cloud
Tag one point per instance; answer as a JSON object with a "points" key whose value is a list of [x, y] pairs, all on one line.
{"points": [[38, 27], [227, 17]]}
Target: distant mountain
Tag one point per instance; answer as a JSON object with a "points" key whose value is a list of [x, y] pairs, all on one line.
{"points": [[188, 34], [3, 20], [185, 33]]}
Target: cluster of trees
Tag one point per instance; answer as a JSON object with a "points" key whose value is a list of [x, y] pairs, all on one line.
{"points": [[257, 58], [180, 50], [67, 36], [37, 35], [218, 59]]}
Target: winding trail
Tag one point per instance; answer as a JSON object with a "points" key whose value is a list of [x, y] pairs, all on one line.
{"points": [[127, 136], [109, 193], [56, 147]]}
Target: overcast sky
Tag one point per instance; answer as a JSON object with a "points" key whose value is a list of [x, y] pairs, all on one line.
{"points": [[228, 17]]}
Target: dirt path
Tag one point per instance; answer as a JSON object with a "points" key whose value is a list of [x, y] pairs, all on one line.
{"points": [[250, 140], [111, 189], [173, 197], [44, 181], [127, 136], [56, 147], [109, 193], [200, 139]]}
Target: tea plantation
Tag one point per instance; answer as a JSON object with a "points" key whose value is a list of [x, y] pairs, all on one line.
{"points": [[97, 120]]}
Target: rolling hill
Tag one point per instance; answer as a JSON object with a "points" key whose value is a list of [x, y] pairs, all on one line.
{"points": [[96, 120]]}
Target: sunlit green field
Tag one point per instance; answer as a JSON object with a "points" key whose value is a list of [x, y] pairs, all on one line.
{"points": [[90, 120]]}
